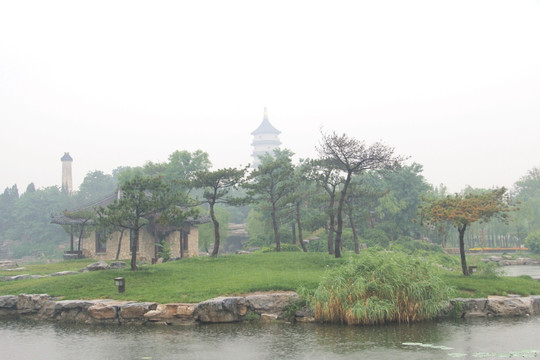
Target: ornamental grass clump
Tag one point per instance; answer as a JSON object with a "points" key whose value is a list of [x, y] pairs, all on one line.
{"points": [[380, 287]]}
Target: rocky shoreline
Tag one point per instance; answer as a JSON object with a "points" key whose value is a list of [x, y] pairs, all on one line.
{"points": [[266, 307]]}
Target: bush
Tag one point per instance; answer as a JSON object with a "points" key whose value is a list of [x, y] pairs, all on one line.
{"points": [[374, 237], [409, 245], [380, 287], [533, 242]]}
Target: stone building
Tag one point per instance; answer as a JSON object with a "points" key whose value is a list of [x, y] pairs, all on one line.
{"points": [[89, 241], [265, 140]]}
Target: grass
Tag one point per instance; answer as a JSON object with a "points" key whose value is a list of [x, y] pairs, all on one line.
{"points": [[479, 286], [188, 280], [380, 287], [48, 268], [198, 279]]}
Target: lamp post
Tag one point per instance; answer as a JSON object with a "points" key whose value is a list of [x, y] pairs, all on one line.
{"points": [[120, 282]]}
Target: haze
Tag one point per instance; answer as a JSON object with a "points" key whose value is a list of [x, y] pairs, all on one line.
{"points": [[455, 85]]}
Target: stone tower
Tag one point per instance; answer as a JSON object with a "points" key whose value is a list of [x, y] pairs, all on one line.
{"points": [[265, 140], [67, 180]]}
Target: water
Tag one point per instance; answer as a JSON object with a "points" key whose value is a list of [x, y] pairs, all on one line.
{"points": [[481, 338], [518, 270]]}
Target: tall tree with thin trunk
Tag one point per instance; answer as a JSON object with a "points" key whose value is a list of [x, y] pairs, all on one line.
{"points": [[217, 186], [271, 184], [330, 180], [352, 156]]}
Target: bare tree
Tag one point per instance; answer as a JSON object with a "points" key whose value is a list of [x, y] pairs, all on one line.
{"points": [[352, 156]]}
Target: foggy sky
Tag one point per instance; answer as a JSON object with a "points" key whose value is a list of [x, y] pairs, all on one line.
{"points": [[455, 85]]}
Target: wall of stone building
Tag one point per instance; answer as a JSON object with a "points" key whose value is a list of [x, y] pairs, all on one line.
{"points": [[146, 245], [193, 243]]}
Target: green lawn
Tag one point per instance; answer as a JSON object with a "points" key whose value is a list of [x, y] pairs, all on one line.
{"points": [[198, 279]]}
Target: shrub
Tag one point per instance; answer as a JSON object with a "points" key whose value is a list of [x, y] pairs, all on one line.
{"points": [[533, 242], [380, 287]]}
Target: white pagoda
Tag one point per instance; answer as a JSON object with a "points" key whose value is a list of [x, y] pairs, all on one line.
{"points": [[265, 140]]}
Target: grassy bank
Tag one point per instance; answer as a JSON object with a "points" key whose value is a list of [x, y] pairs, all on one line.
{"points": [[198, 279]]}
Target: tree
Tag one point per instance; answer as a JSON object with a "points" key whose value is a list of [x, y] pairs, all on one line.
{"points": [[352, 156], [271, 183], [95, 186], [329, 179], [217, 186], [463, 210], [142, 199]]}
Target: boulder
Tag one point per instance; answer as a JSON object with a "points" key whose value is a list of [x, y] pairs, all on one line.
{"points": [[66, 310], [466, 308], [62, 273], [268, 317], [32, 303], [221, 310], [8, 305], [7, 263], [505, 306], [101, 311], [135, 311], [100, 265], [172, 314], [273, 303], [117, 265]]}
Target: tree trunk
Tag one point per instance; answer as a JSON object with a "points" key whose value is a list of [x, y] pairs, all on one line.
{"points": [[332, 227], [216, 230], [339, 230], [71, 239], [276, 228], [293, 229], [134, 245], [120, 243], [355, 234], [80, 240], [464, 268], [299, 222]]}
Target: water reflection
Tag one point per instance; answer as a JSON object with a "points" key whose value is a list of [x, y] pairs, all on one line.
{"points": [[23, 340]]}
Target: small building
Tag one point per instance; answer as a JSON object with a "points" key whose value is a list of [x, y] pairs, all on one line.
{"points": [[89, 241], [265, 140]]}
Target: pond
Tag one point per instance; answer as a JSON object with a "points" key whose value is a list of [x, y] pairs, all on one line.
{"points": [[518, 270], [471, 339]]}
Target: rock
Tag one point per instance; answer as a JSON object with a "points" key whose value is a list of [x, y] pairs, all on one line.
{"points": [[16, 269], [66, 310], [466, 308], [221, 310], [100, 265], [172, 314], [29, 304], [273, 303], [502, 306], [24, 277], [102, 312], [268, 317], [535, 303], [135, 311], [117, 265], [7, 263], [62, 273], [8, 305]]}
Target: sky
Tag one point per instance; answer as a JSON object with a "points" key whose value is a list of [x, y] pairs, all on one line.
{"points": [[454, 85]]}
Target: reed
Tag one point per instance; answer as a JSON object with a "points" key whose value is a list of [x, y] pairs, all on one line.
{"points": [[380, 287]]}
